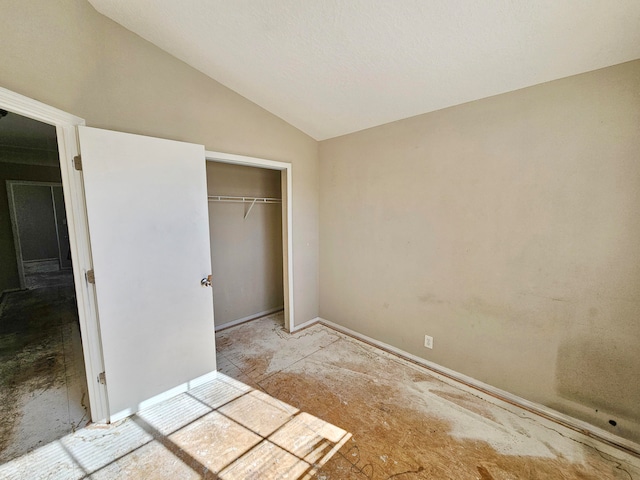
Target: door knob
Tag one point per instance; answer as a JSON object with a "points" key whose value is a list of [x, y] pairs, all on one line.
{"points": [[206, 282]]}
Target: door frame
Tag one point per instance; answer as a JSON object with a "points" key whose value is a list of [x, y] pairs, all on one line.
{"points": [[14, 222], [286, 185], [79, 241]]}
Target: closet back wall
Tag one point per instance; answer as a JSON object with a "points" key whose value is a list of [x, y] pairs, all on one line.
{"points": [[246, 253]]}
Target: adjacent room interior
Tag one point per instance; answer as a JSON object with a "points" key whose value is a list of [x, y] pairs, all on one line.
{"points": [[397, 240], [42, 385]]}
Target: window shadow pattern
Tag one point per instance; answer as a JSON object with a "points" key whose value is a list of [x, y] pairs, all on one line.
{"points": [[222, 429]]}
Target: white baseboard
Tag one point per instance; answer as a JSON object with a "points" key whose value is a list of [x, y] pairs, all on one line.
{"points": [[233, 323], [453, 377], [305, 324], [172, 392]]}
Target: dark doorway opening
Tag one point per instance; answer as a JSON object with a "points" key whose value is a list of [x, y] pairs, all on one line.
{"points": [[43, 390]]}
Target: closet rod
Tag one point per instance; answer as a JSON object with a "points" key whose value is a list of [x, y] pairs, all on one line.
{"points": [[230, 199], [251, 200]]}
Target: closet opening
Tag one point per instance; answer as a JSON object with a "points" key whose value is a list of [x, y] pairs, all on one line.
{"points": [[247, 250], [43, 387]]}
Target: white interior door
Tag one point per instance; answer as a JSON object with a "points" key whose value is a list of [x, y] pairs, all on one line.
{"points": [[148, 222]]}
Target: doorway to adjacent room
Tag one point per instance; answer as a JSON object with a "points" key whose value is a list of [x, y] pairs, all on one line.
{"points": [[43, 386]]}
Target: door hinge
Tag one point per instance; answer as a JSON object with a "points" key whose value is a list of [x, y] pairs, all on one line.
{"points": [[91, 277], [102, 378], [77, 162]]}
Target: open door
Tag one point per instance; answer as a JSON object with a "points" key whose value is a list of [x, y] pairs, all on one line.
{"points": [[148, 222]]}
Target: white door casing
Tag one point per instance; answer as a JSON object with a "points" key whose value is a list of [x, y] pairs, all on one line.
{"points": [[286, 183], [73, 190], [147, 212]]}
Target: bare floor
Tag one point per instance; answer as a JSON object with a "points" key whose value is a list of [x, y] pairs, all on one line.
{"points": [[42, 376], [57, 278], [318, 404]]}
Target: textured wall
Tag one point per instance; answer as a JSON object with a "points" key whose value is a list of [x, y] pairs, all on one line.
{"points": [[246, 253], [336, 67], [65, 54], [507, 228]]}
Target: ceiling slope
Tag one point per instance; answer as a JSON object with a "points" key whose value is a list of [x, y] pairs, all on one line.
{"points": [[333, 67]]}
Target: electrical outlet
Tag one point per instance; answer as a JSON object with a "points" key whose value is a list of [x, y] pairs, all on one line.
{"points": [[428, 341]]}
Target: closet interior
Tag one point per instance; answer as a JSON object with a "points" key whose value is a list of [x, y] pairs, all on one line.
{"points": [[245, 224]]}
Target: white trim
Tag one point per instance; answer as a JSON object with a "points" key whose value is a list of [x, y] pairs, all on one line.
{"points": [[161, 397], [247, 161], [493, 394], [286, 183], [306, 324], [28, 107], [287, 223], [248, 318], [79, 242]]}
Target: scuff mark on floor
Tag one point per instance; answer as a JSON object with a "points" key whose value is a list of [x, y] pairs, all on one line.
{"points": [[421, 426], [37, 330]]}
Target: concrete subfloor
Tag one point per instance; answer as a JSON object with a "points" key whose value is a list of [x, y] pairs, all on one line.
{"points": [[319, 404], [42, 376]]}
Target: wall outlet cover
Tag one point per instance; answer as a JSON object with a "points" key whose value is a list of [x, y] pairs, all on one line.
{"points": [[428, 341]]}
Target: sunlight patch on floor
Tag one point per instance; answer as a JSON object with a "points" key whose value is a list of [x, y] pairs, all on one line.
{"points": [[223, 427]]}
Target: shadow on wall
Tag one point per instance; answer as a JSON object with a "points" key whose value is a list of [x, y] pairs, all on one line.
{"points": [[600, 373]]}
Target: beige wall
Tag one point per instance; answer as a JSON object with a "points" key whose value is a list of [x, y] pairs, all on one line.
{"points": [[246, 253], [65, 54], [508, 229]]}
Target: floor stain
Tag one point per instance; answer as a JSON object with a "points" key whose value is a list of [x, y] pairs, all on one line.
{"points": [[414, 444], [326, 407], [393, 410], [32, 358], [484, 473]]}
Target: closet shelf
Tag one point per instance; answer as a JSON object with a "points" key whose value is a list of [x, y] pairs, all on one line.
{"points": [[226, 198], [251, 200]]}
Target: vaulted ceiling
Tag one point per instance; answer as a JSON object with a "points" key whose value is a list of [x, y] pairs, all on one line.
{"points": [[332, 67]]}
